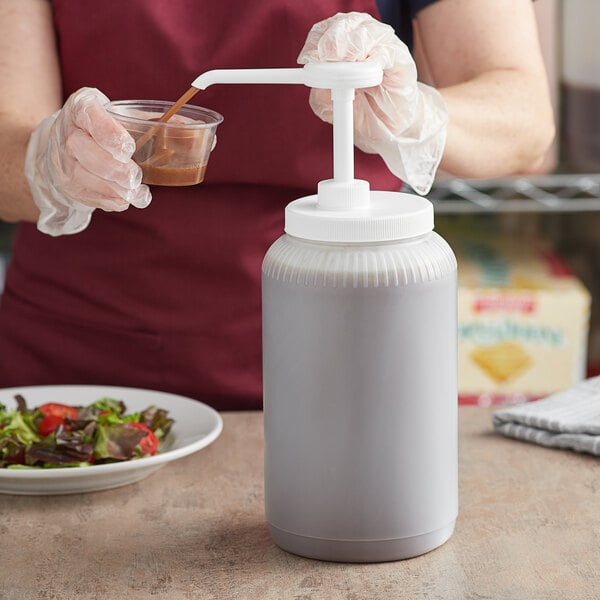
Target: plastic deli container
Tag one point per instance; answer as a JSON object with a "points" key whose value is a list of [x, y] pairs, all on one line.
{"points": [[174, 153]]}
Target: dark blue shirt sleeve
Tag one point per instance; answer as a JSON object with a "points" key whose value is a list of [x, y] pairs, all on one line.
{"points": [[399, 14], [416, 5]]}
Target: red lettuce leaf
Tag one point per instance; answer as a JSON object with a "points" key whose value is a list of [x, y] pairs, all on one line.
{"points": [[117, 442]]}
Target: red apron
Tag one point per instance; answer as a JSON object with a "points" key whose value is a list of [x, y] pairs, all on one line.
{"points": [[169, 297]]}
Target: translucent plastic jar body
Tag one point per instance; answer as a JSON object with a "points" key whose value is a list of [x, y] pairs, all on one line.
{"points": [[360, 397]]}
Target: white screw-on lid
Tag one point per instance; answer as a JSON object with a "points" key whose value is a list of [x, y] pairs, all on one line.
{"points": [[387, 217]]}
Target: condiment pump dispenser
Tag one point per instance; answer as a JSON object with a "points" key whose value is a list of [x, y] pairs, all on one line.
{"points": [[359, 357]]}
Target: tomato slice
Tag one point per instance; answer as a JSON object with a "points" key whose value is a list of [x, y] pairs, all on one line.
{"points": [[52, 409], [148, 444], [49, 424]]}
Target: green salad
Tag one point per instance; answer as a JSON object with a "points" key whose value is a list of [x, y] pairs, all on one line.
{"points": [[59, 435]]}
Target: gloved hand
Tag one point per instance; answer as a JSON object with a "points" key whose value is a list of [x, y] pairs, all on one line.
{"points": [[79, 159], [402, 120]]}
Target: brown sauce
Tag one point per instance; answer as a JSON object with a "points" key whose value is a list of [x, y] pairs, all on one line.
{"points": [[172, 176]]}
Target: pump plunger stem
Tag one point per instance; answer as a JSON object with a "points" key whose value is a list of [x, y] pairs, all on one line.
{"points": [[343, 134]]}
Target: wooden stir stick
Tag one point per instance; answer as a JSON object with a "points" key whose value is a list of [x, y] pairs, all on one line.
{"points": [[144, 139]]}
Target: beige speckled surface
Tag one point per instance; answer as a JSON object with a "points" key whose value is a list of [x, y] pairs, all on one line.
{"points": [[529, 528]]}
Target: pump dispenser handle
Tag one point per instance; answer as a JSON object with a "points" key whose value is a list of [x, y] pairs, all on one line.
{"points": [[343, 192], [344, 210], [325, 75]]}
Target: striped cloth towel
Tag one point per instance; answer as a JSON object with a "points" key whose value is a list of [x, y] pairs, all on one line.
{"points": [[568, 419]]}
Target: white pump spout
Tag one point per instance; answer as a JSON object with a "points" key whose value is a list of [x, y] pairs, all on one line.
{"points": [[326, 75], [248, 76], [343, 192]]}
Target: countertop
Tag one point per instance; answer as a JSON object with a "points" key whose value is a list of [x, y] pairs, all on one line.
{"points": [[528, 528]]}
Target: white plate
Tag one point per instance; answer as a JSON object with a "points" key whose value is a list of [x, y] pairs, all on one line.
{"points": [[196, 425]]}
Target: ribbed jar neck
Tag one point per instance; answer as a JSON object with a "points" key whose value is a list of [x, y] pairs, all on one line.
{"points": [[421, 260]]}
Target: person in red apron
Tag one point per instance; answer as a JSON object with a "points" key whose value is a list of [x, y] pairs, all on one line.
{"points": [[168, 297]]}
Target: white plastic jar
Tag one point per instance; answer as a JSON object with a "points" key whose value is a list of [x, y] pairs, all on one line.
{"points": [[360, 392]]}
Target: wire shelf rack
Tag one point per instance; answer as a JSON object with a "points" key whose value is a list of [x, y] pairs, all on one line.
{"points": [[546, 193]]}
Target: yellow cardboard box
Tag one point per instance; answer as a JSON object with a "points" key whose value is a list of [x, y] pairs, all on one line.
{"points": [[523, 321]]}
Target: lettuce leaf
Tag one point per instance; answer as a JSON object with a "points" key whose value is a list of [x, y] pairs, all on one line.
{"points": [[117, 442], [63, 447], [114, 406], [14, 424], [157, 419], [11, 452]]}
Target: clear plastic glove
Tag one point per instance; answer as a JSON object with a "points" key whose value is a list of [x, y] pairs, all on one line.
{"points": [[79, 159], [402, 120]]}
